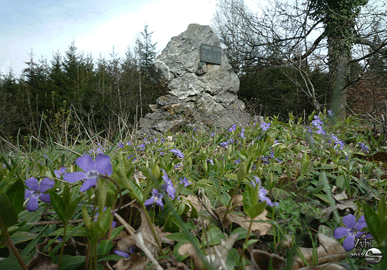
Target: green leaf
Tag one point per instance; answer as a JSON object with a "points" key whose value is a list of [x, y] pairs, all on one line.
{"points": [[72, 262], [8, 178], [70, 209], [225, 198], [194, 212], [16, 194], [232, 258], [241, 172], [73, 231], [178, 237], [32, 245], [181, 208], [12, 263], [105, 219], [8, 215], [101, 193], [372, 222], [250, 196], [97, 231], [242, 233], [58, 204], [232, 176], [105, 246], [86, 218], [135, 190], [382, 214], [255, 210], [116, 232], [110, 257], [212, 236], [340, 181], [323, 197], [305, 162], [21, 237]]}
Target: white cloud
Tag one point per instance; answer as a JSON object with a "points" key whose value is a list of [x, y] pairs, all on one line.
{"points": [[165, 18], [97, 33]]}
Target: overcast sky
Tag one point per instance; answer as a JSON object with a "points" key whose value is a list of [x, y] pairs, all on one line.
{"points": [[48, 26]]}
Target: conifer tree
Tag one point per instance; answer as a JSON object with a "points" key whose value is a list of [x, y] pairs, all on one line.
{"points": [[145, 52]]}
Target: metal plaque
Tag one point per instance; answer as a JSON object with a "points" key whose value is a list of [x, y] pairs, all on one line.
{"points": [[210, 54]]}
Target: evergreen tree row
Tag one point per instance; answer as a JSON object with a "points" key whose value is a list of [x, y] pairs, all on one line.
{"points": [[76, 94], [94, 92]]}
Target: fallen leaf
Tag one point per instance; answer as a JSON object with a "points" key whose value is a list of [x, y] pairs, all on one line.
{"points": [[189, 249], [260, 260], [244, 221], [216, 255], [146, 231], [134, 262], [325, 266], [328, 251]]}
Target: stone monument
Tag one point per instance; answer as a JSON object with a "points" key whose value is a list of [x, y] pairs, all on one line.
{"points": [[201, 86]]}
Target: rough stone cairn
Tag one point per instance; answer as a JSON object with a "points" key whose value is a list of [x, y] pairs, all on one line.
{"points": [[199, 95]]}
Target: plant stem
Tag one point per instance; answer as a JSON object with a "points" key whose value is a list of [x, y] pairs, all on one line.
{"points": [[12, 246], [246, 240], [151, 226], [63, 244]]}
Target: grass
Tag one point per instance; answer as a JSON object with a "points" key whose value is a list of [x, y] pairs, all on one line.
{"points": [[219, 219]]}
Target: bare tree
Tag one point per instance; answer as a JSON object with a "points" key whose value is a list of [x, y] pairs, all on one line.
{"points": [[322, 33]]}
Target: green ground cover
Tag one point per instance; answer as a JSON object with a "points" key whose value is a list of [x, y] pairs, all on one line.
{"points": [[260, 197]]}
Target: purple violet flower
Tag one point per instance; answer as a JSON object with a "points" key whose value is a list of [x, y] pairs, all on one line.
{"points": [[242, 134], [320, 130], [317, 121], [224, 144], [232, 128], [60, 172], [209, 160], [120, 145], [157, 198], [185, 182], [142, 146], [351, 230], [36, 191], [168, 186], [91, 170], [262, 192], [364, 147], [177, 153], [337, 141], [265, 126], [121, 253]]}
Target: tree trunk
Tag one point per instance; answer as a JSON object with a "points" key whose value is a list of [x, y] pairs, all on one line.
{"points": [[338, 72]]}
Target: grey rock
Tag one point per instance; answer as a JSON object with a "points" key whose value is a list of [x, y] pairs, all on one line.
{"points": [[202, 96], [258, 119]]}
